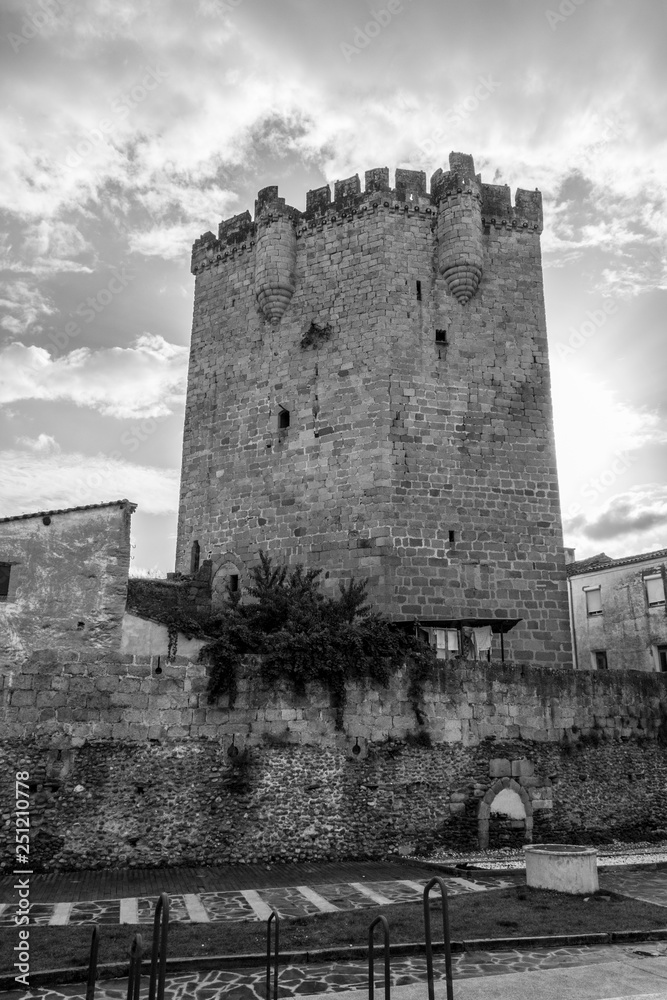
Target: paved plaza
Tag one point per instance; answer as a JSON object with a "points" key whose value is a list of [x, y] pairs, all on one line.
{"points": [[597, 972]]}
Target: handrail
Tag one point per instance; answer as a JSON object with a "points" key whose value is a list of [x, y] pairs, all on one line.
{"points": [[134, 977], [273, 916], [159, 954], [371, 959], [445, 930], [92, 963]]}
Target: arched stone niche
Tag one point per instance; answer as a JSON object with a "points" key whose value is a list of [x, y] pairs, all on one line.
{"points": [[224, 568], [505, 798]]}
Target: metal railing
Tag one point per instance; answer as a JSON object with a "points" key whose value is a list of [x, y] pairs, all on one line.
{"points": [[134, 978], [275, 919], [371, 959], [92, 963], [159, 954], [437, 881]]}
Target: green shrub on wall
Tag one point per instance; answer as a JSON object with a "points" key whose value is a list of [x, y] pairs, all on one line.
{"points": [[303, 636]]}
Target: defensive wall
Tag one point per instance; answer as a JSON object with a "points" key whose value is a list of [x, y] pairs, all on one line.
{"points": [[129, 764]]}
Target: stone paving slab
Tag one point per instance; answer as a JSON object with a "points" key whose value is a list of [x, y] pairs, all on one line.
{"points": [[649, 886], [484, 975]]}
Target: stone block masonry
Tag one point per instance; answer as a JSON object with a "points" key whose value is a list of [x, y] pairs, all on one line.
{"points": [[130, 766], [369, 394]]}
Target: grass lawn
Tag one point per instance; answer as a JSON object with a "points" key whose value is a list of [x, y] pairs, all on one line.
{"points": [[515, 912]]}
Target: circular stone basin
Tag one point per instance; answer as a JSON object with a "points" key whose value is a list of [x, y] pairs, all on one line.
{"points": [[562, 867]]}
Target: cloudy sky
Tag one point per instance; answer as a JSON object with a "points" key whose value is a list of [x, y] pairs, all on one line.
{"points": [[129, 127]]}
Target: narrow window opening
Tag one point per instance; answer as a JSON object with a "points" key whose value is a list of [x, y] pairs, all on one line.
{"points": [[452, 537], [441, 336], [599, 657], [662, 658], [233, 582], [419, 291], [283, 419], [194, 557], [5, 572]]}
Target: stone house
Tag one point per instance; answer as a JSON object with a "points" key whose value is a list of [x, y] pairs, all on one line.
{"points": [[63, 578], [618, 612]]}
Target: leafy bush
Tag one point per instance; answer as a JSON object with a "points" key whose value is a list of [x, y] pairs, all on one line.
{"points": [[304, 636]]}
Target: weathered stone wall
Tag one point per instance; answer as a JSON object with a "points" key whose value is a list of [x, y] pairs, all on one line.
{"points": [[66, 700], [129, 765], [68, 579], [424, 464]]}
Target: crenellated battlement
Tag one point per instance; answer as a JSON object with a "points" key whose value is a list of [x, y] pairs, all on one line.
{"points": [[409, 195]]}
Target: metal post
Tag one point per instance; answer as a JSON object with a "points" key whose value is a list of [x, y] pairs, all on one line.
{"points": [[276, 940], [159, 954], [134, 978], [445, 930], [371, 959], [92, 963]]}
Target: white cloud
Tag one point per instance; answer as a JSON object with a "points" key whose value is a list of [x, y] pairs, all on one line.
{"points": [[42, 443], [145, 380], [68, 479], [25, 304], [629, 523], [593, 428]]}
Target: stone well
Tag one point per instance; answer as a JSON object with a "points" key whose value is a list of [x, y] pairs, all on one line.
{"points": [[562, 867]]}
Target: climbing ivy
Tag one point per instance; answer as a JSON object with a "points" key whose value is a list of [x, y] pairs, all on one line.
{"points": [[302, 636]]}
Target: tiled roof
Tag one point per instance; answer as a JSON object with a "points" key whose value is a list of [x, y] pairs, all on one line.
{"points": [[602, 561], [69, 510]]}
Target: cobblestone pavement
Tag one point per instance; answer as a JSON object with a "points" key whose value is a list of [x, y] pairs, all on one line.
{"points": [[248, 904], [301, 980]]}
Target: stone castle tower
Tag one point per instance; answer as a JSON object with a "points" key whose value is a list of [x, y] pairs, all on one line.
{"points": [[369, 393]]}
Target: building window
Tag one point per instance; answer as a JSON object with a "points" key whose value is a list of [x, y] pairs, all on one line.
{"points": [[593, 601], [452, 537], [599, 659], [233, 583], [655, 591], [419, 291], [194, 557], [283, 419], [5, 572], [441, 336], [662, 658]]}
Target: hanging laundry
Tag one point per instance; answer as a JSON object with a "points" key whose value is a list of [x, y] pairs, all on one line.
{"points": [[483, 638]]}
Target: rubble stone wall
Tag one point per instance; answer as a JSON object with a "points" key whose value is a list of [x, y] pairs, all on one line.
{"points": [[131, 766]]}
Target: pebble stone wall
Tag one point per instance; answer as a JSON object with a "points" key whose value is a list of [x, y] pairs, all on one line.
{"points": [[403, 331], [152, 784]]}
